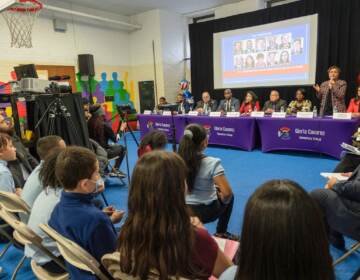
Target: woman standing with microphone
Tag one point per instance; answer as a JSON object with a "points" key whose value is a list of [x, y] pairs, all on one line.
{"points": [[332, 93]]}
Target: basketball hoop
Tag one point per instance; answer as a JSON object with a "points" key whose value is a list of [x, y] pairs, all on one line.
{"points": [[20, 19]]}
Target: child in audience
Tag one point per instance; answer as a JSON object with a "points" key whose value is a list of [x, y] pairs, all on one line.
{"points": [[157, 236], [7, 153], [154, 140], [75, 217], [44, 147], [209, 196], [41, 211], [283, 237]]}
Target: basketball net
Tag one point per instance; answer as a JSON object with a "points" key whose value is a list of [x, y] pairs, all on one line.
{"points": [[20, 19]]}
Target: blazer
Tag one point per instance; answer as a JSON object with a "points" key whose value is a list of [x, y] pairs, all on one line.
{"points": [[337, 95], [280, 103], [353, 106], [234, 102], [213, 105], [345, 213], [246, 108]]}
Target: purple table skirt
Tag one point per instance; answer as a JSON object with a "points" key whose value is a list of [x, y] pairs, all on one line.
{"points": [[320, 135]]}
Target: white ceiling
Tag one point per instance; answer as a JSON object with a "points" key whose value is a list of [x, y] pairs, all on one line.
{"points": [[131, 7]]}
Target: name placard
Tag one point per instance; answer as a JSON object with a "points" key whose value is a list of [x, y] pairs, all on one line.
{"points": [[167, 113], [193, 113], [215, 114], [305, 115], [257, 114], [342, 116], [147, 112], [233, 114], [278, 115]]}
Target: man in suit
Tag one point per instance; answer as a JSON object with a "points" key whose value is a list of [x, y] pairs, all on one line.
{"points": [[25, 163], [340, 203], [275, 103], [229, 103], [206, 104]]}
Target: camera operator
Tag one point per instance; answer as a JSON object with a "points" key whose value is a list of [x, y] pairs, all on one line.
{"points": [[101, 132]]}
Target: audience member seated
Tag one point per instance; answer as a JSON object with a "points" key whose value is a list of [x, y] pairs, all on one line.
{"points": [[349, 162], [275, 104], [162, 101], [158, 235], [210, 196], [340, 202], [154, 140], [229, 104], [206, 105], [283, 237], [41, 212], [300, 104], [101, 132], [33, 186], [7, 154], [332, 93], [75, 217], [354, 104], [24, 163], [250, 103]]}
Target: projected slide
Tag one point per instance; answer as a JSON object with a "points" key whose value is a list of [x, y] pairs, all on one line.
{"points": [[277, 54]]}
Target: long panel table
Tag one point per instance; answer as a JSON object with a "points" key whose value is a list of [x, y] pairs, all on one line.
{"points": [[321, 135]]}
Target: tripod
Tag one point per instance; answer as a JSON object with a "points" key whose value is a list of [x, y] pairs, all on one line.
{"points": [[121, 130], [57, 109]]}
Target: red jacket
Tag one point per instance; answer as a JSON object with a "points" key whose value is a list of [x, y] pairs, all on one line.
{"points": [[353, 106], [246, 108]]}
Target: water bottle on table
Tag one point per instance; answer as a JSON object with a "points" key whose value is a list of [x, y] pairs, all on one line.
{"points": [[315, 112]]}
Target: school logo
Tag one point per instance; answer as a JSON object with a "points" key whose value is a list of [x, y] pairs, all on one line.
{"points": [[284, 133], [150, 124]]}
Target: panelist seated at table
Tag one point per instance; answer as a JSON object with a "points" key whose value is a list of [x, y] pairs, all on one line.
{"points": [[183, 106], [300, 104], [162, 102], [332, 93], [354, 104], [275, 103], [207, 104], [250, 103], [229, 104]]}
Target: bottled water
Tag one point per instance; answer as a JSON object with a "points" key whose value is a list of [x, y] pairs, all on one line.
{"points": [[232, 108], [315, 112], [282, 109], [335, 110]]}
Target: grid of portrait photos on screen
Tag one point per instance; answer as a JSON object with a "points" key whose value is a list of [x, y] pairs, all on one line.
{"points": [[266, 52]]}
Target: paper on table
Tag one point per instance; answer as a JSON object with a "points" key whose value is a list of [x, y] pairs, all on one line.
{"points": [[338, 176], [350, 149]]}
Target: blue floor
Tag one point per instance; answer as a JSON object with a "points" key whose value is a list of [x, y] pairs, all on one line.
{"points": [[245, 171]]}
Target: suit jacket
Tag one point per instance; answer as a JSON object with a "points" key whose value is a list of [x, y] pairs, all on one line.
{"points": [[344, 215], [212, 103], [24, 158], [269, 105], [353, 106], [338, 93], [234, 102]]}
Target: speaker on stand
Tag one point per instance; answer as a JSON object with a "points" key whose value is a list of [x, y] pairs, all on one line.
{"points": [[87, 72]]}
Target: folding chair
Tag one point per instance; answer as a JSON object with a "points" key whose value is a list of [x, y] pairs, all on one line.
{"points": [[112, 264], [24, 235], [353, 249], [14, 204], [74, 254]]}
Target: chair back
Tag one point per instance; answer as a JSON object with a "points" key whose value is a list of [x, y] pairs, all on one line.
{"points": [[74, 254], [112, 264], [13, 203], [26, 236]]}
